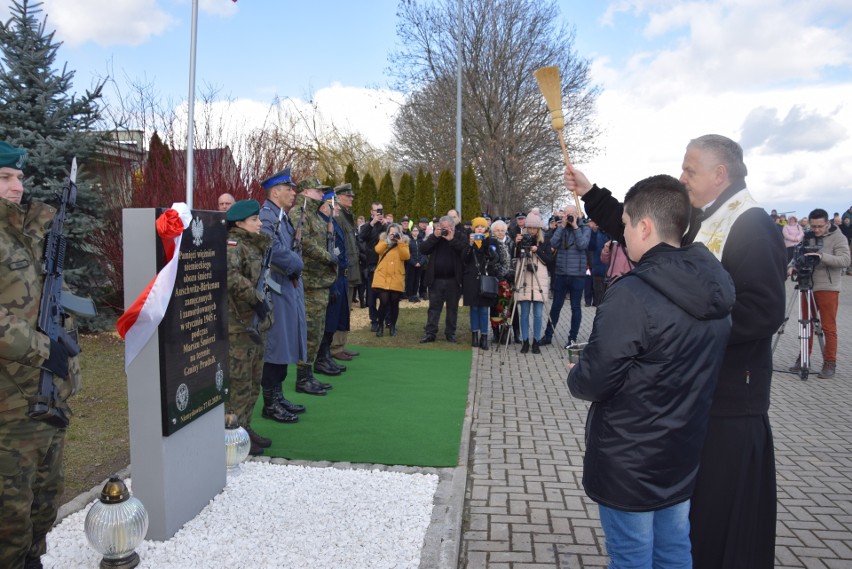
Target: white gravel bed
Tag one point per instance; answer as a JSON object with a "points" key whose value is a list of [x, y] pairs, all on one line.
{"points": [[284, 516]]}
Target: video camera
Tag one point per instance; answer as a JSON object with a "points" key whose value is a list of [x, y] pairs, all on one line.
{"points": [[805, 263], [527, 241]]}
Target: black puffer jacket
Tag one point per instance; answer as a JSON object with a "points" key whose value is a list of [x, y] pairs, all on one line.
{"points": [[650, 369]]}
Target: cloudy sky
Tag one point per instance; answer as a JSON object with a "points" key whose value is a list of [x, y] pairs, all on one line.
{"points": [[774, 75]]}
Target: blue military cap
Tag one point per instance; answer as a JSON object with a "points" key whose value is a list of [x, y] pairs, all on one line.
{"points": [[328, 196], [243, 209], [12, 157], [282, 177]]}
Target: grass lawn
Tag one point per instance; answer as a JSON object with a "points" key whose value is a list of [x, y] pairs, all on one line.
{"points": [[98, 443]]}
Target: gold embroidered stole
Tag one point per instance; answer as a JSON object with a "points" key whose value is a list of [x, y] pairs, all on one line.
{"points": [[715, 229]]}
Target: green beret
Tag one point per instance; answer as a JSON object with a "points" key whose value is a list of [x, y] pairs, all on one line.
{"points": [[242, 209], [344, 190], [12, 157], [311, 183]]}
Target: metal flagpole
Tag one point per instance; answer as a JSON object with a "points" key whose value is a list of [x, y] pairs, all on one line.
{"points": [[190, 118], [459, 115]]}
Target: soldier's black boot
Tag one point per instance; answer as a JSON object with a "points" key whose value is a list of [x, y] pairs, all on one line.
{"points": [[258, 440], [392, 329], [273, 410], [380, 330], [323, 363], [289, 406], [305, 382]]}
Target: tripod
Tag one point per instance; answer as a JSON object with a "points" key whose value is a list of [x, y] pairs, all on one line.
{"points": [[809, 325], [522, 266]]}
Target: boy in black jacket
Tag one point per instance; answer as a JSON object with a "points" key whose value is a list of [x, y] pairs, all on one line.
{"points": [[650, 369]]}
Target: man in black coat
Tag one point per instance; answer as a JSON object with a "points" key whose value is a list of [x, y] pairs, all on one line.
{"points": [[650, 369], [369, 235], [443, 276], [733, 507]]}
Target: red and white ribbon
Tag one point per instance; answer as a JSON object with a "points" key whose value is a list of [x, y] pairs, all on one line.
{"points": [[141, 319]]}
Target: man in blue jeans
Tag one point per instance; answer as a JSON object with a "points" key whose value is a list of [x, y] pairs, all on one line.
{"points": [[569, 241], [650, 369]]}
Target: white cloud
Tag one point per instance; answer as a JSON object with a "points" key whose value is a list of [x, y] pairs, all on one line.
{"points": [[775, 75], [358, 109], [121, 22], [218, 7], [107, 22]]}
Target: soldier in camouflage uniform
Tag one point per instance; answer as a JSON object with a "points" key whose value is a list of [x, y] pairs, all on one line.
{"points": [[31, 470], [346, 220], [246, 248], [319, 274]]}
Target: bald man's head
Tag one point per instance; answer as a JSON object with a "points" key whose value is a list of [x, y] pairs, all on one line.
{"points": [[225, 202]]}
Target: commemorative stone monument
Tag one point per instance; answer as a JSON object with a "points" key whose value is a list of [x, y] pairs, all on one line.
{"points": [[177, 384]]}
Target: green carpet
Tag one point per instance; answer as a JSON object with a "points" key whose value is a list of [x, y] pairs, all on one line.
{"points": [[391, 406]]}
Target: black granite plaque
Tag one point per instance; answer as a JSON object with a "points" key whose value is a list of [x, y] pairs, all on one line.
{"points": [[194, 330]]}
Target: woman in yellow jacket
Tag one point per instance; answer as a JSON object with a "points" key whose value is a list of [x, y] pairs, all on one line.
{"points": [[389, 278]]}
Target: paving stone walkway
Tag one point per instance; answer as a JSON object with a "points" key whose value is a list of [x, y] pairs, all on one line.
{"points": [[524, 503]]}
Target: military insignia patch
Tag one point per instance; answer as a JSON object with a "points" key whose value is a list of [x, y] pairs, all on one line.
{"points": [[18, 265], [232, 243]]}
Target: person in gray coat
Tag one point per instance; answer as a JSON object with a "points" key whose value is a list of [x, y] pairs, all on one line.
{"points": [[569, 242], [286, 341]]}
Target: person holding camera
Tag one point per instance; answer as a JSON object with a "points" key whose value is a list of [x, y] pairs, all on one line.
{"points": [[389, 277], [570, 241], [532, 281], [414, 265], [369, 235], [480, 259], [832, 260], [443, 277]]}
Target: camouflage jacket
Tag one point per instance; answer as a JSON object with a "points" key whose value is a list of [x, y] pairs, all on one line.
{"points": [[23, 349], [347, 222], [319, 271], [245, 259]]}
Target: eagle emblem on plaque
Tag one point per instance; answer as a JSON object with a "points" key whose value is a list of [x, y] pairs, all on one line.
{"points": [[220, 376], [182, 397], [197, 227]]}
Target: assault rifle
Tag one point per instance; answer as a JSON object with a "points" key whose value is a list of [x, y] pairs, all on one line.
{"points": [[53, 307], [329, 234], [297, 237], [265, 283]]}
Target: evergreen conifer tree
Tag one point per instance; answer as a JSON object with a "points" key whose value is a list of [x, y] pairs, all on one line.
{"points": [[369, 193], [445, 194], [387, 195], [359, 207], [470, 204], [424, 195], [39, 113], [405, 196], [160, 183]]}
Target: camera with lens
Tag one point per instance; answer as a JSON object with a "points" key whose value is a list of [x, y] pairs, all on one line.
{"points": [[380, 211], [557, 218], [440, 232], [394, 236], [805, 263], [527, 241], [569, 219]]}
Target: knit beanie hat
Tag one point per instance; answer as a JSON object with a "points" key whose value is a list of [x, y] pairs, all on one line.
{"points": [[534, 218]]}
